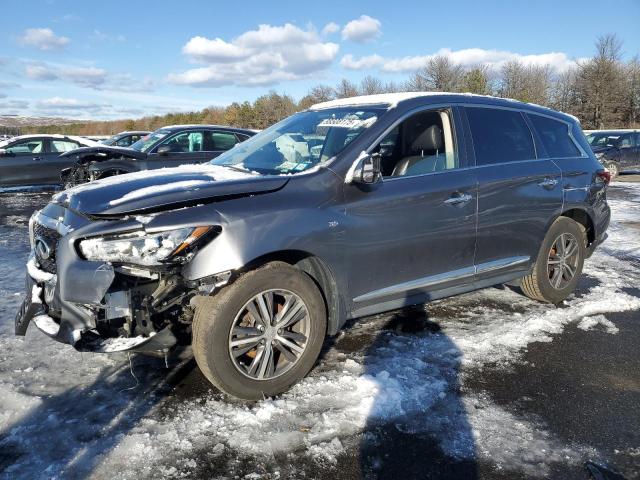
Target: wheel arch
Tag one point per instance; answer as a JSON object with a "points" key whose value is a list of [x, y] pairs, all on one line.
{"points": [[583, 218], [319, 272]]}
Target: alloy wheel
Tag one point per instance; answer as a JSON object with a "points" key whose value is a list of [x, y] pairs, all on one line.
{"points": [[269, 334], [562, 262]]}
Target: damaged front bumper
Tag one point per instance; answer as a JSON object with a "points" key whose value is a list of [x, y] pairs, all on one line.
{"points": [[76, 324]]}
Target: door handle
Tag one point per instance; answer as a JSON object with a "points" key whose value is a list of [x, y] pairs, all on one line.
{"points": [[37, 159], [548, 183], [458, 199]]}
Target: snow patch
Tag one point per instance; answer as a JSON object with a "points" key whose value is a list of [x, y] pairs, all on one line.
{"points": [[589, 323]]}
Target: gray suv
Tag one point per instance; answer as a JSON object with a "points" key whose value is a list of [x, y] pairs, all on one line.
{"points": [[351, 208]]}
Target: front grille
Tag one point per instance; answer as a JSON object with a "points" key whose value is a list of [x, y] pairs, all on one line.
{"points": [[50, 237]]}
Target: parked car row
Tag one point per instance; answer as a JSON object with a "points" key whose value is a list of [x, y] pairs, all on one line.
{"points": [[353, 207], [618, 150], [70, 160], [36, 159]]}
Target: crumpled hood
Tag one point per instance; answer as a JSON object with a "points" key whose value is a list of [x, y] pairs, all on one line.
{"points": [[95, 153], [155, 190]]}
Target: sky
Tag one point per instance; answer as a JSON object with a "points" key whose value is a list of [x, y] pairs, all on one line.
{"points": [[117, 59]]}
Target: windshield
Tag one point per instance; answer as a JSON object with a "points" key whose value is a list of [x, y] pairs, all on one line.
{"points": [[301, 141], [603, 139], [148, 141]]}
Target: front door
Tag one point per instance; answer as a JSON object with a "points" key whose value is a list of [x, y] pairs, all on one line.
{"points": [[414, 233], [22, 162]]}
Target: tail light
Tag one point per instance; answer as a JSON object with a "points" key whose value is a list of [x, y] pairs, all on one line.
{"points": [[604, 176]]}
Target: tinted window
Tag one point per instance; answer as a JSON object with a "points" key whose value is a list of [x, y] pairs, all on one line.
{"points": [[499, 136], [220, 140], [555, 137], [60, 146], [32, 145], [625, 141], [186, 142]]}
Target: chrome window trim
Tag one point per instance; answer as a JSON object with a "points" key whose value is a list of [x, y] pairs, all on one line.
{"points": [[437, 106], [440, 278]]}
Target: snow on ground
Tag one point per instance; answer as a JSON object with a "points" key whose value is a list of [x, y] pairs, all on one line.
{"points": [[66, 414]]}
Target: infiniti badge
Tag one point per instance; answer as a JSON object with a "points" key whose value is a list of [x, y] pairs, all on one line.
{"points": [[43, 250]]}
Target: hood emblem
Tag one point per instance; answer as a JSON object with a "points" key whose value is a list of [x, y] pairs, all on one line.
{"points": [[42, 248]]}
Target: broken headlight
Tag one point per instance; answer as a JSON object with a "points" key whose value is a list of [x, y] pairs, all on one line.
{"points": [[141, 248]]}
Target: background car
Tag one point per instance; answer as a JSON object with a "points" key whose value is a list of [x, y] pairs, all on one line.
{"points": [[166, 147], [618, 150], [125, 139], [35, 159]]}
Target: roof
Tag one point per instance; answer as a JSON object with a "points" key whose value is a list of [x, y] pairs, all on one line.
{"points": [[195, 125], [132, 132], [615, 130], [393, 99], [83, 140]]}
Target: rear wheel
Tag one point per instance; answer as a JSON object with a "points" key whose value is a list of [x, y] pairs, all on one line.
{"points": [[559, 263], [261, 334], [613, 169]]}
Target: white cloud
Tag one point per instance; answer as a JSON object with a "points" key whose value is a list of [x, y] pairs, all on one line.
{"points": [[264, 56], [100, 36], [43, 39], [86, 76], [363, 63], [492, 59], [330, 28], [40, 72], [362, 29], [71, 107]]}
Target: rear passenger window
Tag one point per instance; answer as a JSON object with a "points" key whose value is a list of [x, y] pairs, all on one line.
{"points": [[555, 137], [499, 136]]}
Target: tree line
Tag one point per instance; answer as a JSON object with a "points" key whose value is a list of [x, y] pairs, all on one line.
{"points": [[602, 91]]}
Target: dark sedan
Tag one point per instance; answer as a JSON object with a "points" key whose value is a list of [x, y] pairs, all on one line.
{"points": [[125, 139], [36, 159], [166, 147], [618, 150]]}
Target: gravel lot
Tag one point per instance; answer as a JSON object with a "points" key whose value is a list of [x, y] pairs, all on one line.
{"points": [[487, 385]]}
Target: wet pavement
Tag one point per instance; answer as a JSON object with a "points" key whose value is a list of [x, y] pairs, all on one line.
{"points": [[487, 385]]}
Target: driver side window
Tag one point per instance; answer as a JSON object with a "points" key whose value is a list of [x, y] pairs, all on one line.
{"points": [[186, 142], [26, 147], [421, 144]]}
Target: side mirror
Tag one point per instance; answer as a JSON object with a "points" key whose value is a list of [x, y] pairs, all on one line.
{"points": [[366, 170], [164, 150]]}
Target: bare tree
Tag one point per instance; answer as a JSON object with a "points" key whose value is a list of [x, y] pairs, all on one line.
{"points": [[370, 85], [526, 83], [346, 89], [476, 81], [599, 86], [317, 94], [440, 74]]}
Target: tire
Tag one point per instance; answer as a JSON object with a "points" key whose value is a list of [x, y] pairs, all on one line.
{"points": [[218, 318], [539, 284], [613, 168]]}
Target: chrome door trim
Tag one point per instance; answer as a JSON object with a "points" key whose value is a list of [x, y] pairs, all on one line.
{"points": [[418, 283], [500, 264], [441, 278]]}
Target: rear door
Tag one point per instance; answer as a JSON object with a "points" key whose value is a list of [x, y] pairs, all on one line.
{"points": [[518, 193], [630, 151], [21, 164], [53, 163], [217, 142]]}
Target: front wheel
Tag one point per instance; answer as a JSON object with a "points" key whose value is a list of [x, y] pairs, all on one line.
{"points": [[559, 263], [262, 334]]}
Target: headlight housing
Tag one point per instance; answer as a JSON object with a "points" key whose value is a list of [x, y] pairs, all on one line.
{"points": [[141, 247]]}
